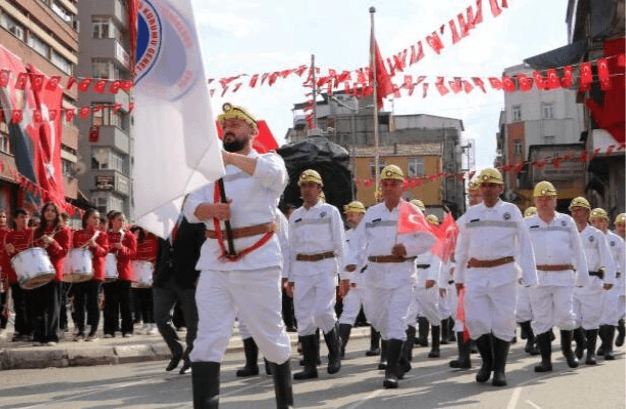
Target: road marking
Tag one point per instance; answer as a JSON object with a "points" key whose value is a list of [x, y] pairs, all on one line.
{"points": [[514, 398], [533, 405]]}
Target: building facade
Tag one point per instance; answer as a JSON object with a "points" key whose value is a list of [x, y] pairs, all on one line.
{"points": [[106, 149], [42, 33]]}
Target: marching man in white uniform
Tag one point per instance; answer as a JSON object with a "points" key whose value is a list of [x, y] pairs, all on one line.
{"points": [[493, 244], [390, 274], [316, 244], [620, 231], [247, 283], [561, 264]]}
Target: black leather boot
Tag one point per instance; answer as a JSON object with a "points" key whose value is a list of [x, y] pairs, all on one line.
{"points": [[592, 337], [619, 341], [434, 350], [600, 351], [383, 355], [451, 332], [530, 347], [579, 338], [566, 347], [282, 385], [483, 343], [344, 335], [501, 351], [374, 343], [545, 348], [268, 367], [445, 328], [404, 364], [333, 342], [394, 349], [251, 351], [205, 383], [463, 362], [422, 328], [609, 335], [310, 363]]}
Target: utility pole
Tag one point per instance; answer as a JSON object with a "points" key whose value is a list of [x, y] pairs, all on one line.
{"points": [[314, 90]]}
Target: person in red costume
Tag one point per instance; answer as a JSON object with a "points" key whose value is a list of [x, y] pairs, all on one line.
{"points": [[117, 299], [87, 293], [55, 237], [4, 278], [16, 241], [147, 247]]}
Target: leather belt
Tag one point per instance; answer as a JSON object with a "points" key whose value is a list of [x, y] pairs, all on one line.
{"points": [[554, 267], [599, 274], [451, 282], [315, 257], [618, 274], [390, 259], [246, 231], [475, 263], [422, 266]]}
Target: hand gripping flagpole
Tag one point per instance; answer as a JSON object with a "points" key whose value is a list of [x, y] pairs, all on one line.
{"points": [[228, 229]]}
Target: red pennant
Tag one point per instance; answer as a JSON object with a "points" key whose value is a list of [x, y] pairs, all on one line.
{"points": [[4, 78], [126, 85], [69, 115], [495, 8], [603, 73], [36, 82], [455, 34], [96, 108], [566, 81], [83, 113], [94, 133], [52, 114], [479, 83], [508, 84], [299, 71], [435, 42], [408, 83], [346, 86], [539, 80], [367, 183], [416, 55], [553, 79], [467, 87], [285, 73], [100, 86], [441, 87], [264, 77], [83, 85], [21, 81], [17, 116], [392, 68], [525, 83], [53, 82], [253, 80], [117, 107], [70, 82], [211, 92], [237, 86], [115, 86], [456, 86], [586, 78], [37, 116], [519, 167], [465, 26], [131, 106], [496, 83], [556, 162], [479, 13]]}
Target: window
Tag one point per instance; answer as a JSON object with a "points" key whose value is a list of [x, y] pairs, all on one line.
{"points": [[100, 158], [517, 148], [13, 26], [123, 185], [101, 68], [117, 162], [64, 64], [5, 141], [101, 27], [517, 113], [107, 116], [381, 165], [38, 45], [547, 111], [67, 167], [416, 167], [116, 203], [101, 204], [62, 12]]}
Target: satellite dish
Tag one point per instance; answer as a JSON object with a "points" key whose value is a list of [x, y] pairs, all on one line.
{"points": [[80, 168]]}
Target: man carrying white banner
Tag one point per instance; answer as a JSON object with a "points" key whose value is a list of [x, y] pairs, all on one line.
{"points": [[241, 268]]}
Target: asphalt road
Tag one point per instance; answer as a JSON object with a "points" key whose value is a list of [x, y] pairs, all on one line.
{"points": [[431, 384]]}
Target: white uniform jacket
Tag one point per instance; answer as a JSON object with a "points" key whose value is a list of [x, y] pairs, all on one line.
{"points": [[598, 256], [375, 236], [491, 233], [432, 272], [314, 231], [358, 276], [558, 242], [283, 238], [618, 251], [254, 201]]}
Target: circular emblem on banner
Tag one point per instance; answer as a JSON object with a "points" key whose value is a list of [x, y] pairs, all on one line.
{"points": [[507, 216], [149, 37]]}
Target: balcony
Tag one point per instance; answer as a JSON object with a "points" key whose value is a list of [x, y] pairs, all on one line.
{"points": [[114, 137], [106, 97], [110, 47], [103, 8], [110, 180]]}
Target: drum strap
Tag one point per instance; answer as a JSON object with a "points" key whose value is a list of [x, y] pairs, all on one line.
{"points": [[220, 239]]}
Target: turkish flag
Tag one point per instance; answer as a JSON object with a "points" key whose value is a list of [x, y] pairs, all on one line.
{"points": [[263, 142], [383, 83]]}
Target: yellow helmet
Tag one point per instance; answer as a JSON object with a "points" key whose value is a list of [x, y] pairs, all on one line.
{"points": [[231, 111], [544, 188], [599, 213], [419, 204], [433, 219], [473, 184], [579, 202], [491, 175], [310, 175], [392, 172], [620, 218], [355, 207], [530, 211], [322, 197]]}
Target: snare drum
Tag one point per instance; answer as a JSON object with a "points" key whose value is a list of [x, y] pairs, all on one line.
{"points": [[33, 268], [79, 266], [143, 271], [110, 272]]}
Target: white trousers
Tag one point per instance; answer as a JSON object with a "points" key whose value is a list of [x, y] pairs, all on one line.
{"points": [[447, 302], [387, 310], [588, 309], [428, 304], [490, 309], [352, 303], [621, 306], [314, 300], [523, 310], [552, 306], [610, 314], [254, 296]]}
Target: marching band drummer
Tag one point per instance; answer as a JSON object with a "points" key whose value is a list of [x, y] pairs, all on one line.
{"points": [[117, 293], [55, 237], [147, 248], [87, 293], [16, 241]]}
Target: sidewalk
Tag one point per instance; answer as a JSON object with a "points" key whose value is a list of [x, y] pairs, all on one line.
{"points": [[112, 351]]}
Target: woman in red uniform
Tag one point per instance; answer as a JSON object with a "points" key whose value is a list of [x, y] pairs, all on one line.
{"points": [[147, 247], [87, 293], [55, 237], [117, 293], [17, 241]]}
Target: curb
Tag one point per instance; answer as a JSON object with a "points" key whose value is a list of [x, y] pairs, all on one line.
{"points": [[62, 356]]}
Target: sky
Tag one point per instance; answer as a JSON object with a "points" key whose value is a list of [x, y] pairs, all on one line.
{"points": [[248, 37]]}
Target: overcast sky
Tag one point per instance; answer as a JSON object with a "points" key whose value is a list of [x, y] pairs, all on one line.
{"points": [[272, 35]]}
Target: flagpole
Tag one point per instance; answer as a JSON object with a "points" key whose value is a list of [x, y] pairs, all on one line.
{"points": [[375, 95]]}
